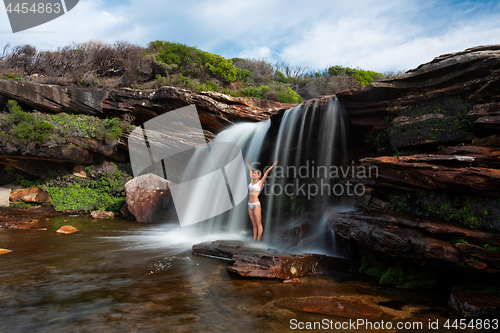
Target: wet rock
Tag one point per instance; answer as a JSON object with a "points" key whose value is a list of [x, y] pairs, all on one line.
{"points": [[67, 229], [4, 251], [30, 195], [489, 256], [101, 214], [17, 218], [423, 241], [149, 199], [292, 280], [252, 261], [475, 305], [458, 174], [340, 306], [284, 266], [486, 126]]}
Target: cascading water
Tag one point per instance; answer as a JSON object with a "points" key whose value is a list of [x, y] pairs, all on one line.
{"points": [[249, 137], [313, 136]]}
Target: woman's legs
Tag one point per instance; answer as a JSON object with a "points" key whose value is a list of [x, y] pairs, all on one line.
{"points": [[254, 226], [258, 220]]}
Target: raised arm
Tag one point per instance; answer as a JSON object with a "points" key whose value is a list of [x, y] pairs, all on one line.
{"points": [[267, 172], [249, 168]]}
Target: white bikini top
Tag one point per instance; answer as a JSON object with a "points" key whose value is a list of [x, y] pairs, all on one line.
{"points": [[254, 187]]}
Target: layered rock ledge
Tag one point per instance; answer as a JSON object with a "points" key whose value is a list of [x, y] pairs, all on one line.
{"points": [[250, 261]]}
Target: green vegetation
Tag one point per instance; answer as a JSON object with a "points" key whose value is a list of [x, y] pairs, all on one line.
{"points": [[491, 248], [103, 191], [363, 77], [24, 127], [447, 122], [475, 214], [22, 205], [177, 58], [99, 65], [397, 276]]}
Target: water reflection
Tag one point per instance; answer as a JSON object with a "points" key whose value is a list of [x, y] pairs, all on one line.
{"points": [[119, 276]]}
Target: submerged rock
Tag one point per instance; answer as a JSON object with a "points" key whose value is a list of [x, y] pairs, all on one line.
{"points": [[67, 229], [341, 306]]}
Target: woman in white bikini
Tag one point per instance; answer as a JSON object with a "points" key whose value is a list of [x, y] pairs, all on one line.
{"points": [[254, 209]]}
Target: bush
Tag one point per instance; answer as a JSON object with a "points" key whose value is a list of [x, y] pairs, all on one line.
{"points": [[24, 126], [363, 77], [104, 190]]}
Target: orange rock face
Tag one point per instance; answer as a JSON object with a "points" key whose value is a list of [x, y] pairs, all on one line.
{"points": [[30, 195], [67, 229]]}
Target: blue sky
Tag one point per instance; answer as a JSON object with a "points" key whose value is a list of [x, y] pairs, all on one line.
{"points": [[379, 35]]}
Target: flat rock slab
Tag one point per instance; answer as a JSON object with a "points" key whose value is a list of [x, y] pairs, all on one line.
{"points": [[341, 306], [251, 261]]}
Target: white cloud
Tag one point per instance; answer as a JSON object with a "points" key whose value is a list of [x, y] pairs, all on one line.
{"points": [[375, 35]]}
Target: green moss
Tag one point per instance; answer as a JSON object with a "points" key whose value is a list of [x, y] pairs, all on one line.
{"points": [[395, 276], [471, 213]]}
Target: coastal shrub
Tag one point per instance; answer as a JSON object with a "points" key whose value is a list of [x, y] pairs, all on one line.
{"points": [[209, 86], [190, 61], [287, 95], [471, 213], [24, 126], [88, 127], [364, 77]]}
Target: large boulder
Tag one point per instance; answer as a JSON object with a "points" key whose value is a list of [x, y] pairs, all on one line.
{"points": [[149, 199]]}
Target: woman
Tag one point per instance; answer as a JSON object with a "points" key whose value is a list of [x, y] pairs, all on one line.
{"points": [[254, 209]]}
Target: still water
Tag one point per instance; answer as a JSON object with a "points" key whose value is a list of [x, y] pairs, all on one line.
{"points": [[120, 276]]}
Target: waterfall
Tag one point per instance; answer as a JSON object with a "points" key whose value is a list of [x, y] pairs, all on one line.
{"points": [[313, 136], [249, 137]]}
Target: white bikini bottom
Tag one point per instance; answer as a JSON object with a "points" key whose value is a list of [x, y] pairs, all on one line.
{"points": [[252, 204]]}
